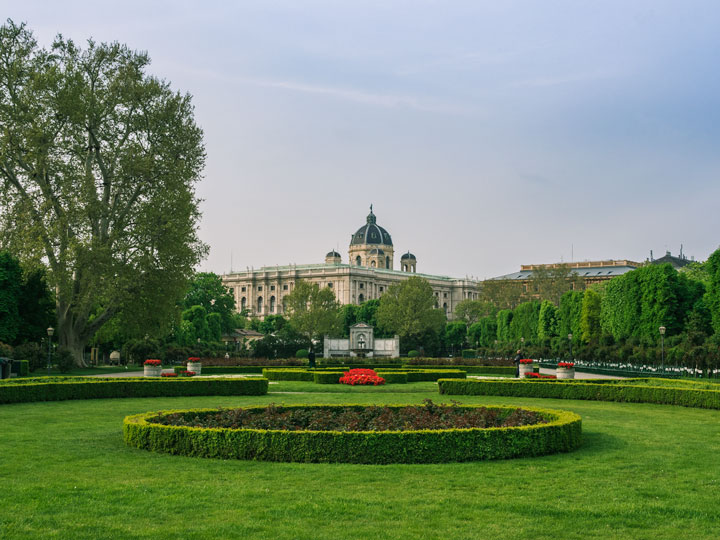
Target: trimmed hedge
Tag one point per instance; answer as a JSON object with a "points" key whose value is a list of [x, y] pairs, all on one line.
{"points": [[216, 370], [288, 375], [561, 434], [83, 388], [394, 377], [473, 370], [608, 390], [327, 377], [413, 375]]}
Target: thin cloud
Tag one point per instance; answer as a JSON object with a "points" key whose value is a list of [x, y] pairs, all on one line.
{"points": [[542, 82]]}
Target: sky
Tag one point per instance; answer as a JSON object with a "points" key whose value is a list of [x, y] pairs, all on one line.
{"points": [[486, 134]]}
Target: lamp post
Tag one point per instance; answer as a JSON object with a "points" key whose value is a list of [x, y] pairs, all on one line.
{"points": [[662, 347], [50, 332], [570, 343]]}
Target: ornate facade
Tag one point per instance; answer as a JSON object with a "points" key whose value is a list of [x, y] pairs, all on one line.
{"points": [[367, 276]]}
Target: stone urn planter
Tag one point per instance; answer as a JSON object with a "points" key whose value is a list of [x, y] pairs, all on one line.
{"points": [[152, 368], [525, 368], [194, 365], [566, 371]]}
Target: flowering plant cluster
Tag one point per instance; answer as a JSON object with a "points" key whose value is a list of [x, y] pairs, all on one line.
{"points": [[193, 359], [186, 373], [152, 362], [361, 376], [568, 365], [168, 374], [526, 361], [539, 376]]}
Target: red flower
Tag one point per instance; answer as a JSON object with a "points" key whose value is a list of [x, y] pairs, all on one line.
{"points": [[568, 365], [526, 361], [168, 374], [152, 362], [361, 376], [193, 359]]}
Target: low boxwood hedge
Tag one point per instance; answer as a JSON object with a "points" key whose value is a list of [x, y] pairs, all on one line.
{"points": [[21, 368], [288, 374], [600, 390], [561, 434], [327, 377], [27, 390], [472, 370], [413, 375], [394, 377]]}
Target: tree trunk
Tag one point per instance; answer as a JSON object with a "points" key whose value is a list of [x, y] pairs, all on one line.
{"points": [[68, 337]]}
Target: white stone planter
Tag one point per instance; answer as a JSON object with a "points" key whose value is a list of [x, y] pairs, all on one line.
{"points": [[195, 367], [152, 371], [525, 368], [565, 373]]}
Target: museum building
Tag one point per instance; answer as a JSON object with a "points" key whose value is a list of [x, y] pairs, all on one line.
{"points": [[367, 275]]}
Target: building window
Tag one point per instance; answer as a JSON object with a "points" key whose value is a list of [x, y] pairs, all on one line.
{"points": [[361, 298], [272, 287], [358, 261], [243, 303], [272, 304], [330, 285], [382, 289], [362, 285], [285, 287], [243, 289], [387, 262], [444, 295], [259, 304], [372, 263], [259, 287]]}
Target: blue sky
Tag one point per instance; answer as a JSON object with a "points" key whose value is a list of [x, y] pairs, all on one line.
{"points": [[486, 134]]}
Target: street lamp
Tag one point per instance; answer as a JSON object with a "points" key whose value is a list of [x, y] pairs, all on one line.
{"points": [[50, 332], [662, 346], [570, 343]]}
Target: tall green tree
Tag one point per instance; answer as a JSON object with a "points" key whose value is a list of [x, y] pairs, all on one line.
{"points": [[472, 311], [550, 283], [548, 320], [455, 334], [206, 289], [10, 289], [504, 319], [502, 293], [524, 323], [569, 314], [99, 163], [408, 310], [484, 332], [312, 311], [712, 298], [590, 316]]}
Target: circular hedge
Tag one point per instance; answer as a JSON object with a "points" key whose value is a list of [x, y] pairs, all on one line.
{"points": [[561, 433]]}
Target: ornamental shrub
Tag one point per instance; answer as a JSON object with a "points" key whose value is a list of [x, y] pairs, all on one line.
{"points": [[394, 377], [302, 353], [413, 354], [64, 360], [326, 377], [33, 353], [468, 353]]}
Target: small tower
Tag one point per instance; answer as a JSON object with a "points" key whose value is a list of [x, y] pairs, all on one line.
{"points": [[408, 263], [333, 258]]}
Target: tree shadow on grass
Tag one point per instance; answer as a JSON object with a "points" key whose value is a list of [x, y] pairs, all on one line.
{"points": [[596, 442]]}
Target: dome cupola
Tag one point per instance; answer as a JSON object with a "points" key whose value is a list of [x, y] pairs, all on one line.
{"points": [[371, 245]]}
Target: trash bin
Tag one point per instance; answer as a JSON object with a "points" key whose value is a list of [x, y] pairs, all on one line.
{"points": [[5, 364]]}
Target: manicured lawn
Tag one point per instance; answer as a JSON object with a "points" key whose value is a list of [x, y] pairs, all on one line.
{"points": [[644, 471]]}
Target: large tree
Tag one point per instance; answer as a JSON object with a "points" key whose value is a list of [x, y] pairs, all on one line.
{"points": [[98, 162], [206, 289], [312, 311], [408, 310]]}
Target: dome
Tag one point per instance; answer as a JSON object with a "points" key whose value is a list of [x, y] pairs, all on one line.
{"points": [[371, 233], [333, 253], [377, 251], [408, 255]]}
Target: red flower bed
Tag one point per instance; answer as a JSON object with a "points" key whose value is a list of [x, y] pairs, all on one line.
{"points": [[361, 376], [168, 374], [568, 365], [193, 359], [539, 376], [152, 362], [526, 361], [186, 373]]}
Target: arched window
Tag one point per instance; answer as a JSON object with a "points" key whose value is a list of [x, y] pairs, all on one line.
{"points": [[361, 298], [372, 263], [387, 262], [358, 261], [272, 304], [361, 341], [243, 304], [259, 304]]}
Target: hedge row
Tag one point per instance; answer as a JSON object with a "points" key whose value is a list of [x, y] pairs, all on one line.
{"points": [[472, 370], [561, 434], [394, 377], [20, 367], [623, 391], [413, 375], [57, 390], [326, 377]]}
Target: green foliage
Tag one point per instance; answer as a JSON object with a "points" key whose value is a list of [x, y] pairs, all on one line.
{"points": [[63, 358], [712, 297], [484, 332], [408, 310], [312, 311], [207, 290], [214, 326], [504, 319], [271, 323], [301, 353], [36, 306], [569, 311], [455, 334], [21, 367], [33, 353], [552, 283], [469, 353], [199, 328], [288, 374], [349, 317], [413, 354], [10, 288], [610, 390], [548, 320], [502, 293], [99, 163], [560, 434], [393, 377], [471, 311], [590, 316], [524, 322], [26, 390], [327, 377]]}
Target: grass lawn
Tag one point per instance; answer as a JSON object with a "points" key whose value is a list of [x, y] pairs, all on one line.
{"points": [[644, 471]]}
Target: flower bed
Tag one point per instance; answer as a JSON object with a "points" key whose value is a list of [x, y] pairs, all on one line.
{"points": [[169, 374], [526, 361], [309, 433], [361, 377], [539, 376], [566, 365], [152, 362]]}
